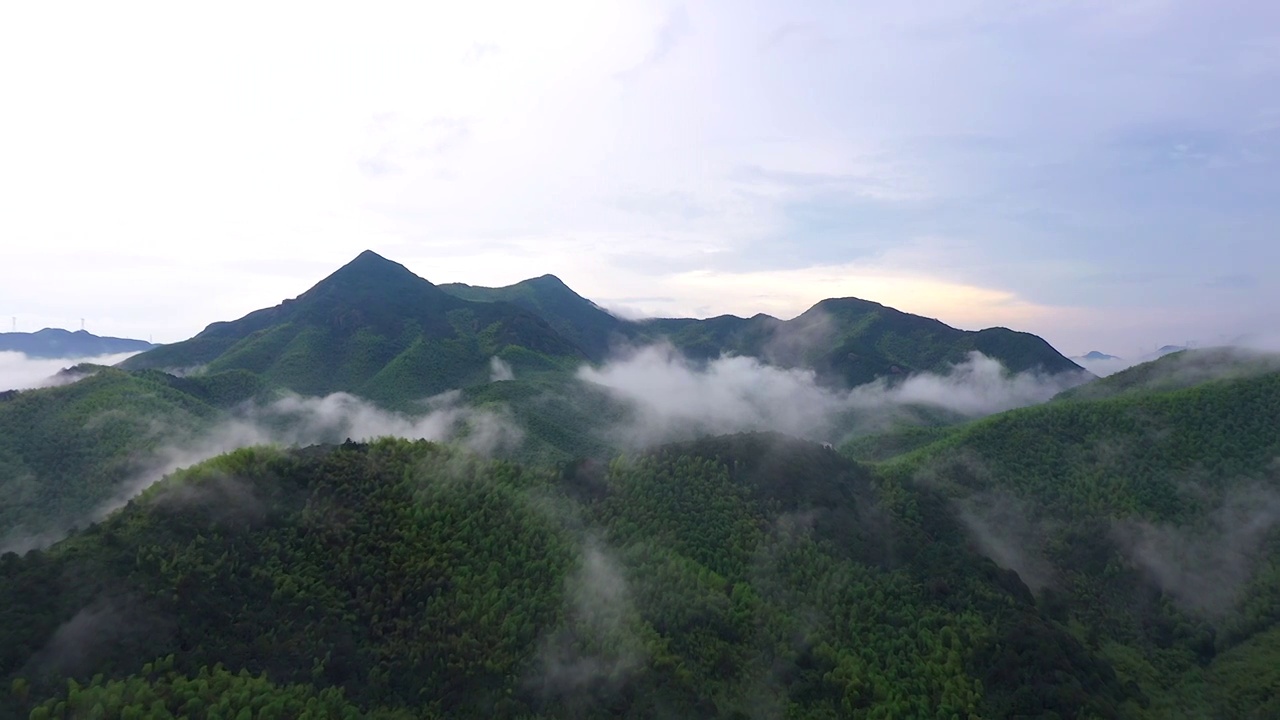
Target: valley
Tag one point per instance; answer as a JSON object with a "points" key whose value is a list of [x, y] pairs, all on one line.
{"points": [[391, 499]]}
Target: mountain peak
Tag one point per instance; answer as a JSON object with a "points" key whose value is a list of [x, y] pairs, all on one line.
{"points": [[370, 260], [547, 280], [371, 268]]}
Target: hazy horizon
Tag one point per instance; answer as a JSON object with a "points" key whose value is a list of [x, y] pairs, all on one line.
{"points": [[1098, 175]]}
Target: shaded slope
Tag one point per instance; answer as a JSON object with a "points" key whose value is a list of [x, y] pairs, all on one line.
{"points": [[846, 340], [850, 342], [581, 321], [856, 341], [375, 329]]}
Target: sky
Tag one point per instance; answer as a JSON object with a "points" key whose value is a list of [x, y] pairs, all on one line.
{"points": [[1102, 174]]}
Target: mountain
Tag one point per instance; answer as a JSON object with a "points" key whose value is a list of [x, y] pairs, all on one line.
{"points": [[1111, 554], [735, 577], [67, 452], [849, 342], [846, 340], [1150, 520], [58, 344], [1179, 369], [375, 329], [1096, 355], [592, 328]]}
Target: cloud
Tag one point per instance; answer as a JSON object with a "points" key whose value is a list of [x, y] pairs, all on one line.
{"points": [[1250, 358], [299, 421], [500, 370], [979, 386], [673, 29], [1105, 367], [19, 372], [677, 398]]}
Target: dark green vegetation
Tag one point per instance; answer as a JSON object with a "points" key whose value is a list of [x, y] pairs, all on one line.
{"points": [[1148, 521], [1111, 554], [378, 331], [847, 341], [374, 329], [1081, 559], [850, 342], [55, 343], [66, 450], [581, 321], [731, 577]]}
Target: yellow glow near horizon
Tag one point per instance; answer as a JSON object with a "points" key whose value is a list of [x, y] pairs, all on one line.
{"points": [[786, 293]]}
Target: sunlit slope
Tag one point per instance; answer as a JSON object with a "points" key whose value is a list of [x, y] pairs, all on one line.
{"points": [[375, 329], [728, 578]]}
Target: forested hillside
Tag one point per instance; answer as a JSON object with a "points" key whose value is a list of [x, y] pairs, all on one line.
{"points": [[374, 329], [1100, 559], [848, 341], [1149, 522], [64, 451], [592, 328], [736, 577]]}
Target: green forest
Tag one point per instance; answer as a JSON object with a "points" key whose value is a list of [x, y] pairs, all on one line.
{"points": [[748, 575], [1112, 553]]}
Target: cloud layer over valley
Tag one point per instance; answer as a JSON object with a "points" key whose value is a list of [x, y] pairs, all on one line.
{"points": [[678, 398], [291, 421], [19, 372]]}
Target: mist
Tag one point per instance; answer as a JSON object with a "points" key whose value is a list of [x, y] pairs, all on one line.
{"points": [[1205, 567], [500, 370], [19, 372], [1004, 530], [288, 421], [597, 646], [1103, 368], [678, 398]]}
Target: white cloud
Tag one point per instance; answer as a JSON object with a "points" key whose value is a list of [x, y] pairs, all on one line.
{"points": [[679, 399], [19, 372], [493, 141]]}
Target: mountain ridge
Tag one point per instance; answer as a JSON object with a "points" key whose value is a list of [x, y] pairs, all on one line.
{"points": [[60, 344], [873, 338], [374, 328]]}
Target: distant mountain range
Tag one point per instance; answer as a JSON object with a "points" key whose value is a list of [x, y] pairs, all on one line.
{"points": [[376, 329], [56, 344], [1095, 355]]}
